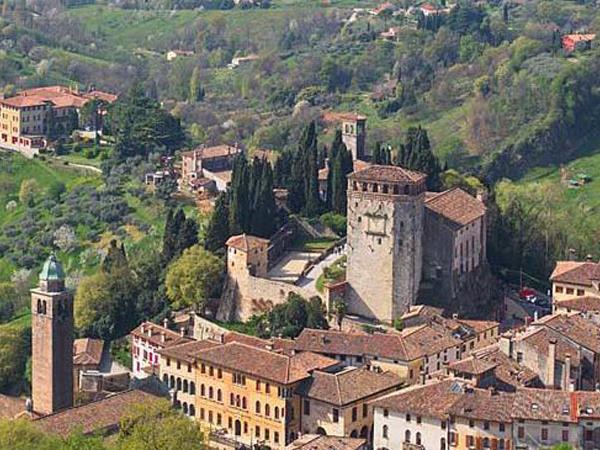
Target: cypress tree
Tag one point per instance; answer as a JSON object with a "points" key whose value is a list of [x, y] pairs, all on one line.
{"points": [[342, 166], [115, 258], [188, 236], [296, 198], [238, 207], [263, 217], [309, 143], [336, 147], [416, 154], [173, 226], [217, 231]]}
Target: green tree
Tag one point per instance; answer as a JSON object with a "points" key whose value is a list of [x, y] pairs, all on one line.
{"points": [[8, 300], [193, 278], [265, 210], [217, 231], [196, 90], [240, 196], [416, 154], [22, 434], [115, 259], [157, 426], [14, 348], [308, 148], [340, 309], [29, 191]]}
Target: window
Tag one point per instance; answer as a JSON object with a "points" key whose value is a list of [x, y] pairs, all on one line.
{"points": [[168, 362], [336, 415], [185, 386], [442, 444], [354, 414], [471, 423], [245, 427], [219, 419], [258, 385], [565, 435], [408, 417], [219, 395], [192, 411], [267, 433], [210, 416], [386, 413], [201, 413], [267, 410], [558, 289], [231, 399], [486, 425], [244, 405], [257, 432], [580, 292], [418, 439], [407, 436], [544, 434], [470, 441], [418, 419], [189, 368], [521, 432], [276, 437], [178, 362], [500, 444], [211, 392], [211, 371], [365, 410], [443, 424], [276, 412], [453, 438], [384, 432], [501, 427], [486, 442], [203, 368], [570, 290], [178, 384], [257, 407], [219, 373], [267, 388], [306, 407]]}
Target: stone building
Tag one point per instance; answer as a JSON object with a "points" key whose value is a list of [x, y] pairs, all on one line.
{"points": [[52, 341], [385, 248], [208, 167]]}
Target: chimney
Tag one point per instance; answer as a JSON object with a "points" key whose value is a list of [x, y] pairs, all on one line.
{"points": [[166, 322], [551, 364], [182, 331], [507, 345], [535, 315], [163, 337], [455, 316], [589, 258], [567, 377], [423, 377], [572, 255]]}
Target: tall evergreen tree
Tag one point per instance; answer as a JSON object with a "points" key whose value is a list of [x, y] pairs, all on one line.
{"points": [[296, 197], [188, 236], [217, 231], [416, 154], [342, 166], [263, 217], [115, 258], [311, 175], [173, 225], [239, 204], [337, 146]]}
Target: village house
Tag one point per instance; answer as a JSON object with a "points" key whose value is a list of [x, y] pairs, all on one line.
{"points": [[208, 168], [588, 307], [241, 393], [337, 404], [146, 340], [174, 54], [26, 118], [573, 279]]}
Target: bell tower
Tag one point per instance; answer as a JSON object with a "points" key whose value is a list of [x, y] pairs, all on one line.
{"points": [[52, 341]]}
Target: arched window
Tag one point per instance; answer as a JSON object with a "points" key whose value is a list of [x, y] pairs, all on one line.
{"points": [[192, 388], [257, 407], [172, 382], [237, 401], [418, 438], [443, 444], [185, 385], [219, 395], [192, 411], [166, 379], [185, 408], [178, 404], [386, 413], [384, 431], [500, 444], [44, 305], [39, 306], [211, 371], [406, 190], [231, 399], [407, 436], [486, 442], [244, 405], [267, 410], [354, 434], [276, 412], [178, 384], [211, 392], [202, 390]]}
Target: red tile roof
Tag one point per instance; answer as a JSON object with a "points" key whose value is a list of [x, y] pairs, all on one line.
{"points": [[217, 151], [11, 407], [332, 116], [507, 370], [480, 404], [544, 404], [472, 365], [96, 416], [154, 333], [574, 272], [539, 338], [456, 205], [349, 385], [187, 351], [390, 174], [583, 304], [87, 352], [575, 328], [357, 163], [316, 442], [246, 242]]}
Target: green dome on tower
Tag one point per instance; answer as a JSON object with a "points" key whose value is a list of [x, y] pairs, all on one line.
{"points": [[52, 270]]}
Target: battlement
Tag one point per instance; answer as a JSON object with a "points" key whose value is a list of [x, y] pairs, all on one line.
{"points": [[386, 181]]}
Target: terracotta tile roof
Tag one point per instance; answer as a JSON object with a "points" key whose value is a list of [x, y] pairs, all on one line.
{"points": [[472, 365], [96, 416], [154, 333], [425, 340], [544, 404], [330, 342], [583, 304], [574, 272], [481, 404], [217, 151], [187, 351], [580, 37], [223, 175], [316, 442], [507, 370], [479, 326], [357, 165], [87, 352], [539, 339], [424, 311], [11, 407], [24, 101], [431, 400], [588, 404], [574, 327], [101, 95], [389, 174], [456, 205], [349, 385], [246, 242], [265, 364]]}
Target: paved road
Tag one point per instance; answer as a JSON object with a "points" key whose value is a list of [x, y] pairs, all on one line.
{"points": [[309, 281]]}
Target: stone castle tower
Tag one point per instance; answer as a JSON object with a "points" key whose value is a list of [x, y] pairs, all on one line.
{"points": [[354, 135], [52, 341], [385, 227]]}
